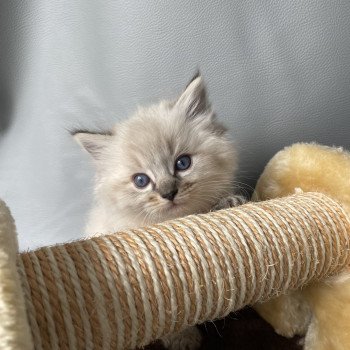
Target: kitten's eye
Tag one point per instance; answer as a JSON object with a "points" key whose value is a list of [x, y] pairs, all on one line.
{"points": [[183, 163], [141, 180]]}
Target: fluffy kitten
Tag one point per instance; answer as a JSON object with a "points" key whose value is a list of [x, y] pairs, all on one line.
{"points": [[168, 160]]}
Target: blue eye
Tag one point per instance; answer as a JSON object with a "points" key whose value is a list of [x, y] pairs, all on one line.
{"points": [[183, 163], [141, 180]]}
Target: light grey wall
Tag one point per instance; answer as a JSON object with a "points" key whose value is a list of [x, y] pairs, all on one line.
{"points": [[277, 71]]}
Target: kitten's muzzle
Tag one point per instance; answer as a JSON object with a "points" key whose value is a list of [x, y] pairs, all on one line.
{"points": [[170, 196], [167, 188]]}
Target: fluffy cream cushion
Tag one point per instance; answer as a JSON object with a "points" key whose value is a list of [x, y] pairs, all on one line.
{"points": [[14, 329], [311, 167]]}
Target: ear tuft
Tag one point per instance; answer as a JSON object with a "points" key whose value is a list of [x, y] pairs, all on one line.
{"points": [[195, 76], [94, 143], [194, 99]]}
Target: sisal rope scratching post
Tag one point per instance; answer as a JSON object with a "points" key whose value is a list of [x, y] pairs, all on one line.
{"points": [[125, 290]]}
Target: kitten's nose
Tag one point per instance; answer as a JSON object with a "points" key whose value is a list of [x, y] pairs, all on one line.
{"points": [[171, 195]]}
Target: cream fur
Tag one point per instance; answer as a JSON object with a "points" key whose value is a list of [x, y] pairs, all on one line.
{"points": [[149, 142], [311, 167], [14, 329]]}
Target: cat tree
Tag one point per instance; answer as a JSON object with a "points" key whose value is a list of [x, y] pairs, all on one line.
{"points": [[125, 290]]}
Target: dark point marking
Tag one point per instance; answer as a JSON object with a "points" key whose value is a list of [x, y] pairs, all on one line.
{"points": [[196, 75], [82, 131]]}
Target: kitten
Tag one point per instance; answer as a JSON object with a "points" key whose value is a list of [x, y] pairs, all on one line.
{"points": [[168, 160]]}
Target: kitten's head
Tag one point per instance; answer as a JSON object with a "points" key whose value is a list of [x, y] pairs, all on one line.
{"points": [[168, 160]]}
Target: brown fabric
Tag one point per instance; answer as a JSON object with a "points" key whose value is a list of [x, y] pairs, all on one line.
{"points": [[242, 330]]}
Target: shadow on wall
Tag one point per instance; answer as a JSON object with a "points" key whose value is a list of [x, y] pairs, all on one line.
{"points": [[5, 110]]}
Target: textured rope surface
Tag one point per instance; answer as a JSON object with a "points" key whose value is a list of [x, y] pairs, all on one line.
{"points": [[125, 290]]}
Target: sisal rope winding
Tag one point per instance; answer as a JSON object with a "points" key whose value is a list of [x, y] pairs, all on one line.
{"points": [[124, 290]]}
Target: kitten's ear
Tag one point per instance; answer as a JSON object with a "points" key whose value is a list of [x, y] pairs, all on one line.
{"points": [[194, 98], [94, 143]]}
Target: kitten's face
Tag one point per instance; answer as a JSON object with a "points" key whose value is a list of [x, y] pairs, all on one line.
{"points": [[167, 161]]}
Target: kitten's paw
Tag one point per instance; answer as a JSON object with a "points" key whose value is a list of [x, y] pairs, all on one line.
{"points": [[189, 339], [230, 202]]}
